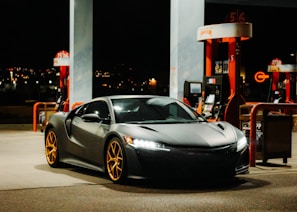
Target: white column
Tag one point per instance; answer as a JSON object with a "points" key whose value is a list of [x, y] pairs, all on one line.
{"points": [[186, 54], [81, 50]]}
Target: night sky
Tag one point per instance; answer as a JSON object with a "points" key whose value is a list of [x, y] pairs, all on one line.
{"points": [[128, 32], [132, 32], [32, 32]]}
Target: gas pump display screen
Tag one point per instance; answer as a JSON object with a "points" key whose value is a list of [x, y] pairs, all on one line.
{"points": [[211, 81], [195, 88], [210, 99]]}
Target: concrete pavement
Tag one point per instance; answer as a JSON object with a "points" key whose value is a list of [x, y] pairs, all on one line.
{"points": [[23, 163]]}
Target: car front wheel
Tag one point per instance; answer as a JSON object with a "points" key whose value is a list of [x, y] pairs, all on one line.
{"points": [[51, 148], [115, 161]]}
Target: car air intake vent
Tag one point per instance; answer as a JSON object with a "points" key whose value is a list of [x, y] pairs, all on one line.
{"points": [[148, 128], [221, 126], [229, 148]]}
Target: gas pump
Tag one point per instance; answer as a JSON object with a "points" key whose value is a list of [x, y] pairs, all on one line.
{"points": [[62, 59], [283, 81], [192, 92], [232, 34], [216, 90]]}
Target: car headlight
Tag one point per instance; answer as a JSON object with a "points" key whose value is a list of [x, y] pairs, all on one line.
{"points": [[241, 143], [145, 144]]}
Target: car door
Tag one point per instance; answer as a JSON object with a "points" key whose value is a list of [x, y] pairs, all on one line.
{"points": [[87, 135]]}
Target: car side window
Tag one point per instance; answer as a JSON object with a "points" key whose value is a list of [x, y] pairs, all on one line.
{"points": [[82, 110], [98, 107]]}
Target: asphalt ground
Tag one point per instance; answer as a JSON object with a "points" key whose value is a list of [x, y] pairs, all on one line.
{"points": [[27, 183], [23, 163]]}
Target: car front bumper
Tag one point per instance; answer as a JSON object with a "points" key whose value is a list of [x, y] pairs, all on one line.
{"points": [[181, 162]]}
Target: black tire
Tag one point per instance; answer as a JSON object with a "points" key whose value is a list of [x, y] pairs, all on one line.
{"points": [[115, 161], [51, 148]]}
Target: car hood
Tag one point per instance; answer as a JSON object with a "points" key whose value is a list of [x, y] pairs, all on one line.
{"points": [[189, 134]]}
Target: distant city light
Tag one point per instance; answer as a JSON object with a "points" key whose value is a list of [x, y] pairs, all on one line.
{"points": [[152, 82], [43, 84]]}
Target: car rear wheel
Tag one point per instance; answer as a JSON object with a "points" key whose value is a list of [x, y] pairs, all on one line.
{"points": [[115, 161], [51, 148]]}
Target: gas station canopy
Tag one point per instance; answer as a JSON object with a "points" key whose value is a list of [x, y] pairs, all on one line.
{"points": [[225, 31], [282, 68]]}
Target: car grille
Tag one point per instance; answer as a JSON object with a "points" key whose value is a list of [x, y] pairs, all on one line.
{"points": [[185, 161]]}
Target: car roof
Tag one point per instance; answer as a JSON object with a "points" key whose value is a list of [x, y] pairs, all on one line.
{"points": [[127, 97]]}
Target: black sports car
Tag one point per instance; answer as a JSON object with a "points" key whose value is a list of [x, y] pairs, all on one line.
{"points": [[145, 136]]}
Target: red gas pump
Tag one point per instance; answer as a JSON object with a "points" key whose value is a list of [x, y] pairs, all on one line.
{"points": [[283, 81], [232, 34], [62, 60]]}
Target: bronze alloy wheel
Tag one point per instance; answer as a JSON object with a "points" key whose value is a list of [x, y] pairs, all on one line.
{"points": [[51, 148], [115, 161]]}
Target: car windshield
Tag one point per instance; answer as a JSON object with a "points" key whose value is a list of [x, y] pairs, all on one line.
{"points": [[153, 110]]}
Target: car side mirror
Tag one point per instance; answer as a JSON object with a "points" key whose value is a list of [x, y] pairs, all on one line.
{"points": [[93, 117]]}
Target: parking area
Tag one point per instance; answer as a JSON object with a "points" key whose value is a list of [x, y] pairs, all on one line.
{"points": [[23, 163]]}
